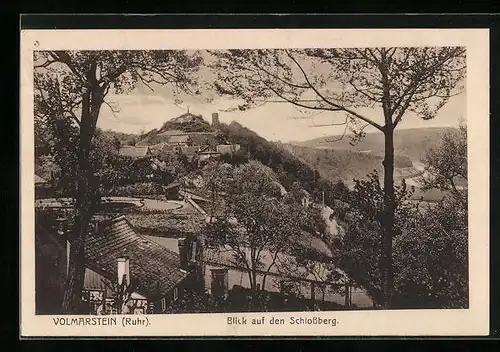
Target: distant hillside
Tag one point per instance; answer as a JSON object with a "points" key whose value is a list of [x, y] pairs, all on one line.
{"points": [[200, 131], [188, 123], [335, 164], [287, 165], [408, 142], [124, 138]]}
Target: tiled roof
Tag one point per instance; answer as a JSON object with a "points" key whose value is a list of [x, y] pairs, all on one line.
{"points": [[153, 268], [134, 152]]}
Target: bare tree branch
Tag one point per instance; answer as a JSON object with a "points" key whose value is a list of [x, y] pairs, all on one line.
{"points": [[336, 106]]}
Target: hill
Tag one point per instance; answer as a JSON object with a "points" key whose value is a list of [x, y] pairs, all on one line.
{"points": [[335, 164], [407, 142], [187, 123], [285, 163], [200, 131]]}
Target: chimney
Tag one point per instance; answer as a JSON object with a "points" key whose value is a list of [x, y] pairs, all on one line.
{"points": [[124, 270], [94, 226], [183, 253], [62, 225], [215, 119]]}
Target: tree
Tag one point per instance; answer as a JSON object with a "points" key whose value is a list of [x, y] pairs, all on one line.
{"points": [[255, 226], [360, 253], [446, 165], [390, 81], [216, 177], [437, 239], [71, 86]]}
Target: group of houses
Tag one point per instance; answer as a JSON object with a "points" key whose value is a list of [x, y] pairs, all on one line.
{"points": [[125, 272], [181, 142], [130, 273]]}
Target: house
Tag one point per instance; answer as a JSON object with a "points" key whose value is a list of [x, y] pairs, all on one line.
{"points": [[135, 152], [189, 151], [306, 199], [159, 165], [117, 257], [180, 140], [228, 148], [43, 188], [222, 273], [157, 148], [206, 152], [172, 191]]}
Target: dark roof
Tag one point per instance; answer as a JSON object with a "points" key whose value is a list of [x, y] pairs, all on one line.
{"points": [[134, 152], [154, 269]]}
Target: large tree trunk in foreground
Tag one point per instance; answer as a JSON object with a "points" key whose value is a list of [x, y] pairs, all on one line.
{"points": [[388, 218], [76, 266], [85, 201]]}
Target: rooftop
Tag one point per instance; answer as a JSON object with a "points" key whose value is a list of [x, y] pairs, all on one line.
{"points": [[154, 269], [134, 151], [39, 180]]}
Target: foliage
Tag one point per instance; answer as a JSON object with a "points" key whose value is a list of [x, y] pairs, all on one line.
{"points": [[393, 81], [447, 164], [431, 258], [338, 164], [286, 165], [430, 248], [216, 177], [255, 225], [70, 90], [187, 123]]}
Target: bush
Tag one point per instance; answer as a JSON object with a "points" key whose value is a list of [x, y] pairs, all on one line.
{"points": [[137, 189]]}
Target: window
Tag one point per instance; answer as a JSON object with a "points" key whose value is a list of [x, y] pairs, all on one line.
{"points": [[219, 282], [176, 293]]}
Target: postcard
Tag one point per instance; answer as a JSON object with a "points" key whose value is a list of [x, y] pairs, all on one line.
{"points": [[307, 182]]}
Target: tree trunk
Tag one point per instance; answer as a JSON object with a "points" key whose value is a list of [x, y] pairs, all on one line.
{"points": [[76, 272], [388, 217], [85, 201]]}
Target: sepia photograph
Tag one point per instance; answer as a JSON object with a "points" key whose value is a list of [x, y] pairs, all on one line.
{"points": [[298, 180]]}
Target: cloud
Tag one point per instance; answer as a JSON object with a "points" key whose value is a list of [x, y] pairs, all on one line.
{"points": [[274, 121]]}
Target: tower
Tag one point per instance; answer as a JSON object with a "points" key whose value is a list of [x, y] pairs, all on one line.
{"points": [[215, 119]]}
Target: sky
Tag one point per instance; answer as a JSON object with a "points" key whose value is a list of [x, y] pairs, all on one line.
{"points": [[142, 111]]}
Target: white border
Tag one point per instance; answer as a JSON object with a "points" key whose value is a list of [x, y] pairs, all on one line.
{"points": [[473, 321]]}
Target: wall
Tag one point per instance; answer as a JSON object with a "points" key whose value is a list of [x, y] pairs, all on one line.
{"points": [[50, 274], [240, 278]]}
